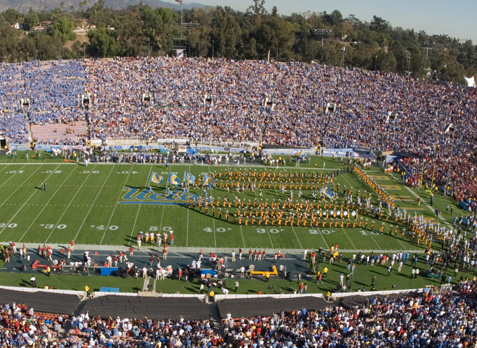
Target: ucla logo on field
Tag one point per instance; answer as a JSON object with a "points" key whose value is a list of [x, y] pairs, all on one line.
{"points": [[134, 195]]}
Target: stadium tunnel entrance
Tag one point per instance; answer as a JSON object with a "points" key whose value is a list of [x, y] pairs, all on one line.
{"points": [[3, 145]]}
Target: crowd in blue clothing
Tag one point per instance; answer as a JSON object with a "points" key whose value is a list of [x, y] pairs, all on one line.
{"points": [[281, 103]]}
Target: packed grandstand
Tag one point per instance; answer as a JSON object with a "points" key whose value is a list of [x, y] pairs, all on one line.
{"points": [[432, 126], [202, 100], [421, 319]]}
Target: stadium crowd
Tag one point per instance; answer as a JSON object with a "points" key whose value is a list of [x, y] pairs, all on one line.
{"points": [[427, 319], [225, 100]]}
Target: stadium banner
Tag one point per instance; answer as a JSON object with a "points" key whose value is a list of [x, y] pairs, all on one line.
{"points": [[156, 178], [188, 178], [173, 179], [289, 151], [350, 153]]}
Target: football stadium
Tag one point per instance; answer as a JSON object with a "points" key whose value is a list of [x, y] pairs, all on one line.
{"points": [[209, 202]]}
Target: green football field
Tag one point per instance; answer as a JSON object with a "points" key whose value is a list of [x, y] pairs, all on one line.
{"points": [[108, 204]]}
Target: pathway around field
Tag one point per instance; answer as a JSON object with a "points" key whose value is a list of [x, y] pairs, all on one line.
{"points": [[177, 257]]}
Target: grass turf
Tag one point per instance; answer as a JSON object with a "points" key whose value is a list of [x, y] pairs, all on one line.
{"points": [[86, 204]]}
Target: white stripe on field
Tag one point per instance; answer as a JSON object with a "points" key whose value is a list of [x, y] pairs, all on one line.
{"points": [[115, 206], [25, 203], [92, 204], [69, 204], [45, 205], [138, 210]]}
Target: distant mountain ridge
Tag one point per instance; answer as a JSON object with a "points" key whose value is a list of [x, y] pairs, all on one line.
{"points": [[24, 6]]}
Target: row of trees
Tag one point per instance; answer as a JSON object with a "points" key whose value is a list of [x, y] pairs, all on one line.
{"points": [[223, 32]]}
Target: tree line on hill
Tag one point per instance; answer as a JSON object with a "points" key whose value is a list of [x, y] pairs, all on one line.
{"points": [[328, 38]]}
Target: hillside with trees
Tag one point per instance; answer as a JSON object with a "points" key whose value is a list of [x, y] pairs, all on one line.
{"points": [[140, 30]]}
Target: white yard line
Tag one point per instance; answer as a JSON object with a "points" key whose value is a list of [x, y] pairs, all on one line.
{"points": [[428, 206], [241, 230], [92, 204], [115, 206], [19, 186], [134, 226], [266, 227], [324, 240], [69, 204], [187, 228], [352, 244], [296, 236], [187, 222], [163, 207], [215, 233], [243, 238], [46, 204], [11, 176], [25, 203], [138, 210]]}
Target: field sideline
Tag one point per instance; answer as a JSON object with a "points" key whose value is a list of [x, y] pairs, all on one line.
{"points": [[90, 205]]}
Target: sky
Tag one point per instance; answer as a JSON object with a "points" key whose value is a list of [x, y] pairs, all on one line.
{"points": [[456, 19]]}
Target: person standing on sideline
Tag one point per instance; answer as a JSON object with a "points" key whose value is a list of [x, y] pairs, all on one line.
{"points": [[171, 239], [164, 252]]}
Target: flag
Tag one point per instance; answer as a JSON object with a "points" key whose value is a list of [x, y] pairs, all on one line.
{"points": [[449, 128], [208, 180], [179, 53], [156, 178], [173, 179], [326, 191], [179, 1], [188, 178]]}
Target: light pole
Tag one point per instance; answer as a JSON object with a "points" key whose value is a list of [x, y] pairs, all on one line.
{"points": [[343, 49]]}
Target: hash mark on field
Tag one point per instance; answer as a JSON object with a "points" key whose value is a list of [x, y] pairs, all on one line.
{"points": [[45, 205], [91, 207], [19, 186], [10, 177], [68, 206]]}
